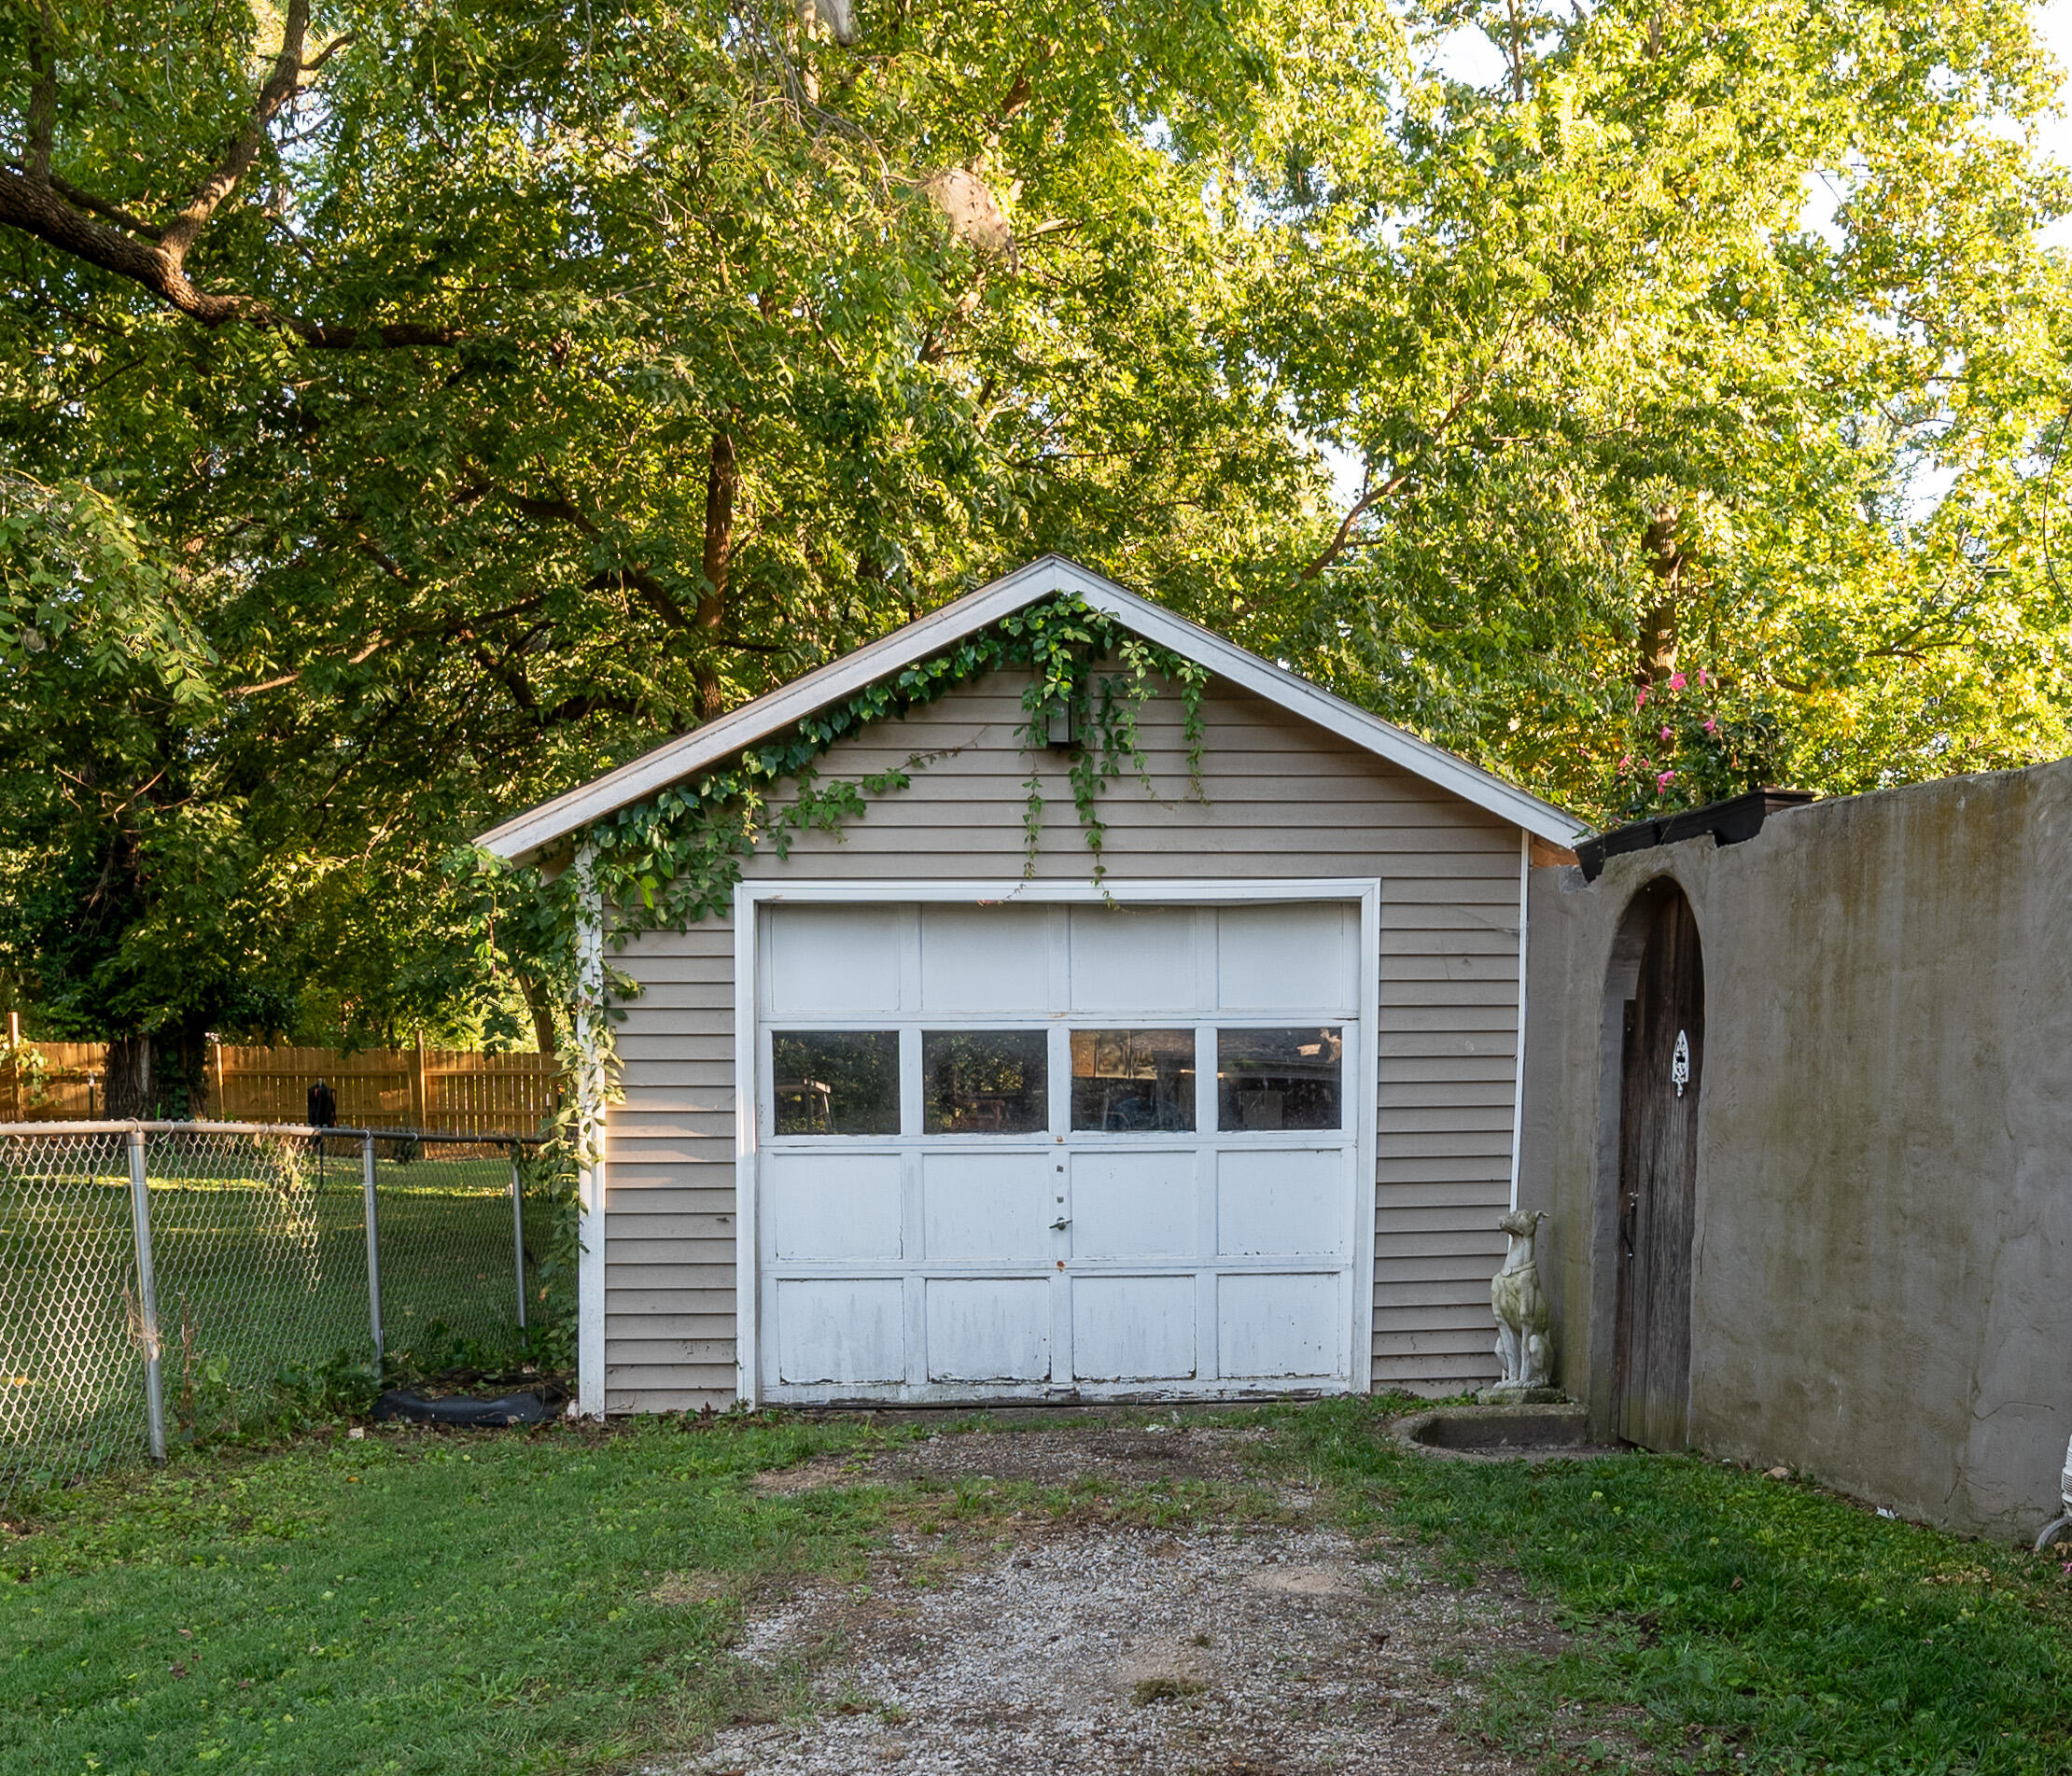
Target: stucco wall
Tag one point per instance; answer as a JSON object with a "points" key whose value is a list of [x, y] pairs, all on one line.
{"points": [[1883, 1292]]}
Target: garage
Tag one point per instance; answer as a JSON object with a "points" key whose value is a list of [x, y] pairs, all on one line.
{"points": [[1088, 1149], [1122, 1017]]}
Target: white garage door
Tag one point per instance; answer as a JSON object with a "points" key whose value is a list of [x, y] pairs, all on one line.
{"points": [[1044, 1151]]}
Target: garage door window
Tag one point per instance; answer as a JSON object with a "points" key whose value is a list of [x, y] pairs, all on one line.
{"points": [[1280, 1078], [1133, 1080], [835, 1082], [984, 1082]]}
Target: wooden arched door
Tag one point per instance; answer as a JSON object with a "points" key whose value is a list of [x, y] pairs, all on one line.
{"points": [[1658, 1177]]}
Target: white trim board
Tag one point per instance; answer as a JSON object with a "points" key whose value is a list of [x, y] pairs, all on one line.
{"points": [[750, 897], [1524, 937], [529, 833], [593, 1182]]}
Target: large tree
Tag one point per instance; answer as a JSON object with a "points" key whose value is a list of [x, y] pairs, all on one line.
{"points": [[1694, 340], [411, 409], [504, 386]]}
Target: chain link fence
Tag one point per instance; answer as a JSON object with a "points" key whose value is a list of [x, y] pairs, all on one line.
{"points": [[165, 1279]]}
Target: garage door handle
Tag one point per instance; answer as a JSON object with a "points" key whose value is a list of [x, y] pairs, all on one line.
{"points": [[1062, 1223]]}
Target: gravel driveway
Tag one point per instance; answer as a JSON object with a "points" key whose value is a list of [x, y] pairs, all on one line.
{"points": [[1240, 1636]]}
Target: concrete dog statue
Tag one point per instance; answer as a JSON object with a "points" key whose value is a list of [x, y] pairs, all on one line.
{"points": [[1521, 1315]]}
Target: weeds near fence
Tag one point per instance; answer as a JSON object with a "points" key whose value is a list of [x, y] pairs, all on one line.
{"points": [[553, 1250]]}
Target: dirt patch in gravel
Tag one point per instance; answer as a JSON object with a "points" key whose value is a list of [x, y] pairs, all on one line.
{"points": [[1083, 1643], [1123, 1455]]}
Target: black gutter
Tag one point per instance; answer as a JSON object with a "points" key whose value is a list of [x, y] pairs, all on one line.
{"points": [[1729, 822]]}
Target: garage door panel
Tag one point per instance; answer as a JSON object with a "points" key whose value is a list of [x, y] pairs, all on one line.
{"points": [[978, 1207], [1278, 1326], [1283, 1203], [1121, 1233], [994, 959], [1135, 1205], [1273, 957], [835, 959], [988, 1329], [841, 1331], [1133, 1328], [836, 1206], [1133, 960]]}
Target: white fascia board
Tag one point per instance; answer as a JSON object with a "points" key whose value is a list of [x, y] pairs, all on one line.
{"points": [[1048, 891], [534, 830]]}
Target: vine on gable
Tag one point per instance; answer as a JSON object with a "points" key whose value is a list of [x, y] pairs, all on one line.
{"points": [[673, 858]]}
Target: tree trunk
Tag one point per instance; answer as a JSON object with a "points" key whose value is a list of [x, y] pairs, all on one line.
{"points": [[1665, 560], [542, 1010], [158, 1076], [182, 1070], [127, 1090], [722, 478]]}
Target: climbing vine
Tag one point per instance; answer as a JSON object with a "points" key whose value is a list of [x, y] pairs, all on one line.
{"points": [[674, 857]]}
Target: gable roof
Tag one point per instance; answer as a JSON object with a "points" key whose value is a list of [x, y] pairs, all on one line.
{"points": [[526, 834]]}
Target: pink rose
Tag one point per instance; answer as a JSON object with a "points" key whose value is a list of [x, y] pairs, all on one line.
{"points": [[1711, 726], [1703, 677], [1640, 702], [1666, 779], [1625, 763], [1666, 733], [1676, 681]]}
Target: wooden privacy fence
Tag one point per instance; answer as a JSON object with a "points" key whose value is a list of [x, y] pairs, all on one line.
{"points": [[447, 1091]]}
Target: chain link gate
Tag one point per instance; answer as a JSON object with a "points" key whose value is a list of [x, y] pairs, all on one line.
{"points": [[156, 1273]]}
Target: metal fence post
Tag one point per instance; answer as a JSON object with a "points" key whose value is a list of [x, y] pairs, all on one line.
{"points": [[373, 1243], [518, 1234], [147, 1295]]}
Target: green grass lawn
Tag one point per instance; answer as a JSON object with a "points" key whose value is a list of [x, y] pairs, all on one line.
{"points": [[562, 1600], [1724, 1621], [409, 1603]]}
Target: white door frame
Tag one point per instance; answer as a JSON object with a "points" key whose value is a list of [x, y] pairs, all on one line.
{"points": [[749, 898]]}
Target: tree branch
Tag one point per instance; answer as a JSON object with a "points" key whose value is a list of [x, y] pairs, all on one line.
{"points": [[179, 233], [1372, 497], [1398, 481], [100, 206], [328, 50], [512, 677], [637, 580], [39, 209], [43, 95], [722, 482], [365, 654], [580, 709], [60, 215], [651, 591]]}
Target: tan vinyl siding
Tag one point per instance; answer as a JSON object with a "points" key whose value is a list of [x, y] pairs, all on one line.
{"points": [[1284, 799]]}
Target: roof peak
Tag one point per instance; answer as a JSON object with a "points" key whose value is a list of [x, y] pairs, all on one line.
{"points": [[525, 835]]}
